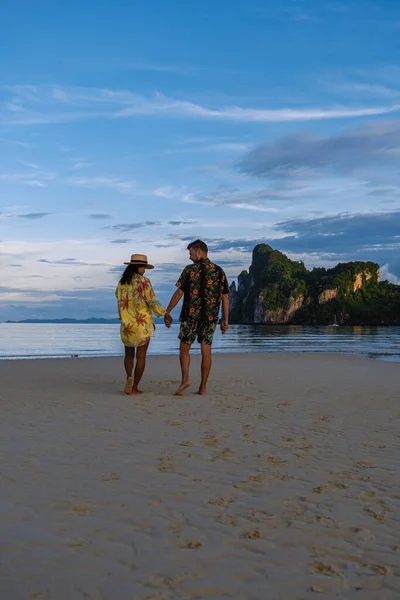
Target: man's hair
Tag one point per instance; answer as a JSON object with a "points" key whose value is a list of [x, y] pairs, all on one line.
{"points": [[198, 245]]}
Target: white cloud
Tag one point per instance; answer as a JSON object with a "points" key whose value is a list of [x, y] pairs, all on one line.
{"points": [[35, 183], [27, 297], [38, 179], [52, 104], [102, 182], [245, 200], [161, 105], [167, 192], [386, 274], [251, 199]]}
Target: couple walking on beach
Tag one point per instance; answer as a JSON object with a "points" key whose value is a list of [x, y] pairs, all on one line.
{"points": [[203, 285]]}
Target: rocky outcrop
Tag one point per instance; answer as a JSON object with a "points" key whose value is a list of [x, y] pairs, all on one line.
{"points": [[277, 290], [279, 315], [364, 276], [327, 295]]}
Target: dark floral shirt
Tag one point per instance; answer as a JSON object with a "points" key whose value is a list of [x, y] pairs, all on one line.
{"points": [[203, 285]]}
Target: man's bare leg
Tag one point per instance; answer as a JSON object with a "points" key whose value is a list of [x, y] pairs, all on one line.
{"points": [[206, 362], [128, 364], [140, 366], [184, 359]]}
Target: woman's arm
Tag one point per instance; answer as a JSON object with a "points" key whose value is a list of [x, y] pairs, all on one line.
{"points": [[152, 302], [117, 297]]}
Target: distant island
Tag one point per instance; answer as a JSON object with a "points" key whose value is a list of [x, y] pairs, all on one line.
{"points": [[277, 290], [91, 321], [95, 320]]}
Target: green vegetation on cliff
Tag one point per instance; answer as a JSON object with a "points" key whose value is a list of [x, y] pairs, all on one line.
{"points": [[279, 290], [277, 276]]}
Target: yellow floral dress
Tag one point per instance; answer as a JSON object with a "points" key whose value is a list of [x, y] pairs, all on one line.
{"points": [[136, 302]]}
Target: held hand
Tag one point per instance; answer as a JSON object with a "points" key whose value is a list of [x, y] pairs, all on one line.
{"points": [[167, 320], [224, 326]]}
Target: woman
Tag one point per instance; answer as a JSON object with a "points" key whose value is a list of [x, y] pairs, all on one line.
{"points": [[136, 301]]}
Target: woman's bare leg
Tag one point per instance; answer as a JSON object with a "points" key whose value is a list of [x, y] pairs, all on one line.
{"points": [[128, 364], [140, 366]]}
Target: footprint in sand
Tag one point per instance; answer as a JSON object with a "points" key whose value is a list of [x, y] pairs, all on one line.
{"points": [[186, 443], [320, 489], [325, 569], [254, 534], [375, 569], [158, 597], [294, 511], [365, 465], [375, 515], [193, 545], [316, 589], [260, 515], [327, 521], [257, 478], [222, 501], [111, 477], [224, 453], [210, 441], [158, 580], [226, 520], [339, 485], [379, 446], [282, 475], [324, 419], [275, 460], [166, 464], [79, 543]]}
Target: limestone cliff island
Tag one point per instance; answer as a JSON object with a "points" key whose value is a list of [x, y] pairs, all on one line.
{"points": [[278, 290]]}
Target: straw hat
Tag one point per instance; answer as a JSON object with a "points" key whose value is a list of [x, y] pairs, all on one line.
{"points": [[140, 260]]}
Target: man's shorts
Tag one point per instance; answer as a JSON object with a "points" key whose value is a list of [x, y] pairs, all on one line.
{"points": [[202, 330]]}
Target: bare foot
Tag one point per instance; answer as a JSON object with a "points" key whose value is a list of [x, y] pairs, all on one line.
{"points": [[136, 392], [181, 389], [128, 386], [202, 391]]}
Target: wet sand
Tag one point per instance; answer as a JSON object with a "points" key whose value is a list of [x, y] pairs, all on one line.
{"points": [[282, 483]]}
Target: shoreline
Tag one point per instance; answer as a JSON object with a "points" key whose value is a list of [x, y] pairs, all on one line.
{"points": [[196, 351]]}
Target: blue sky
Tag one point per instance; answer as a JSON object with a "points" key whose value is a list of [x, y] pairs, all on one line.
{"points": [[137, 127]]}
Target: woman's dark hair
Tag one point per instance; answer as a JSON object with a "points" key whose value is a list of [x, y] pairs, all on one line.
{"points": [[129, 273]]}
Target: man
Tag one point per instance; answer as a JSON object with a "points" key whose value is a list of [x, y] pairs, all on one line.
{"points": [[202, 286]]}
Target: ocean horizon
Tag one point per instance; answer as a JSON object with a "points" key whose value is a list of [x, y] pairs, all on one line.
{"points": [[63, 340]]}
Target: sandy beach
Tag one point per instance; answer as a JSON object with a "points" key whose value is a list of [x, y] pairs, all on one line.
{"points": [[282, 483]]}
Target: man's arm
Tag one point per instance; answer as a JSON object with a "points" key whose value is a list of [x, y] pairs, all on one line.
{"points": [[177, 295], [225, 313]]}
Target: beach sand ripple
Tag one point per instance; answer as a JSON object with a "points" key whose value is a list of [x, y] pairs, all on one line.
{"points": [[282, 483]]}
